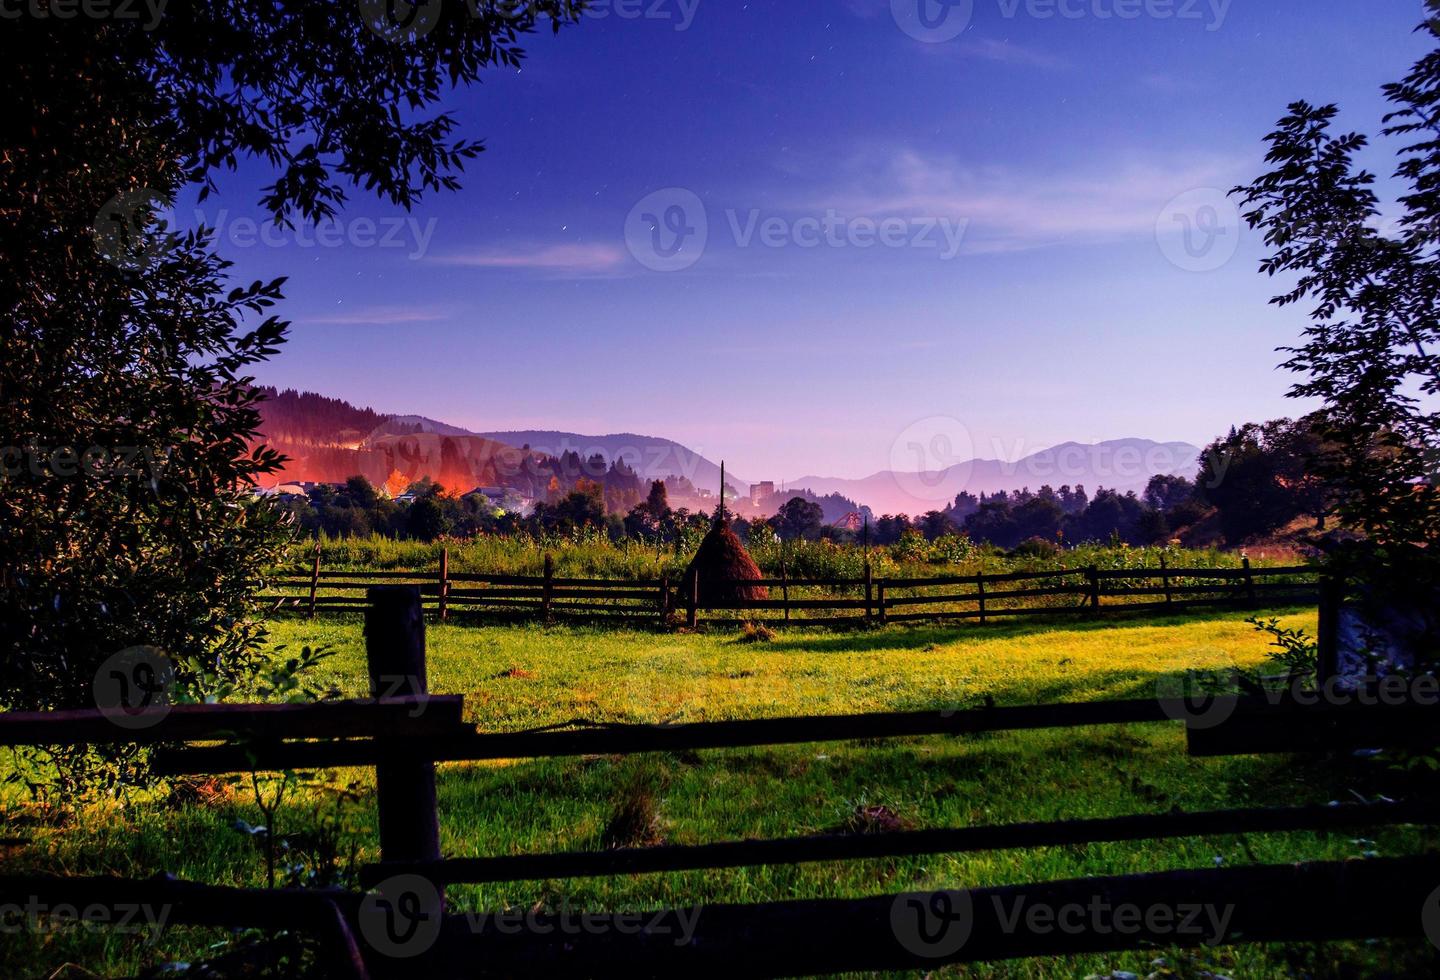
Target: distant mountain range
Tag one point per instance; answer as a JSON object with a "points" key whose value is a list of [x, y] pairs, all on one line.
{"points": [[330, 439], [1119, 464], [653, 457]]}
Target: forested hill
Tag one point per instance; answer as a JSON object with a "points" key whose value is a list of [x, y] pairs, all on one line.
{"points": [[308, 419]]}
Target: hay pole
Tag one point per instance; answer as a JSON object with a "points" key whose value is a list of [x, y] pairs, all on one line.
{"points": [[314, 579], [784, 587]]}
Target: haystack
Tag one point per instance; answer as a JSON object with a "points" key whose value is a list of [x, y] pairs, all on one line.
{"points": [[723, 558]]}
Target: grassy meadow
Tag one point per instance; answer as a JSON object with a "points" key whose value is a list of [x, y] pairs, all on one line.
{"points": [[517, 677], [591, 554]]}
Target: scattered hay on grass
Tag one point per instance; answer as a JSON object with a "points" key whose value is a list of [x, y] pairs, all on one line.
{"points": [[755, 633]]}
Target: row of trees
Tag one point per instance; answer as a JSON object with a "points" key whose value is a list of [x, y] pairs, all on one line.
{"points": [[1256, 480]]}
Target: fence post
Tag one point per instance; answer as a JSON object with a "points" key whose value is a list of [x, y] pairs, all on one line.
{"points": [[1165, 580], [1249, 582], [547, 591], [314, 580], [980, 586], [1093, 574], [692, 616], [785, 589], [869, 592], [404, 790], [1327, 640], [664, 597], [444, 582], [880, 589]]}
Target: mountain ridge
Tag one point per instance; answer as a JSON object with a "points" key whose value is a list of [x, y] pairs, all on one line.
{"points": [[363, 442]]}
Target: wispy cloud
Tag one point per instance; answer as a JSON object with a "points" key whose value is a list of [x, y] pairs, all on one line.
{"points": [[378, 316], [1006, 53], [552, 258], [1008, 210]]}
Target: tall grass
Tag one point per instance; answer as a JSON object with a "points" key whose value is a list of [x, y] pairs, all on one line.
{"points": [[594, 555]]}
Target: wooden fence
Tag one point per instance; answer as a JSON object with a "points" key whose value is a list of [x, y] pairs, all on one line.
{"points": [[405, 736], [1085, 591]]}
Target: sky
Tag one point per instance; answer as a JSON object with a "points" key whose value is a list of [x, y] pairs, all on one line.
{"points": [[810, 236]]}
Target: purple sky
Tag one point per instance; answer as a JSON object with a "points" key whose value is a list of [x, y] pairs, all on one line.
{"points": [[981, 235]]}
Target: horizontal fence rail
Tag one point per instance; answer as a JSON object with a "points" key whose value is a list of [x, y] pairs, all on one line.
{"points": [[1069, 591], [1321, 901], [427, 715], [635, 739], [1222, 726], [403, 738], [904, 843]]}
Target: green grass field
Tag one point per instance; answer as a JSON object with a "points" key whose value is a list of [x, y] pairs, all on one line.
{"points": [[520, 677]]}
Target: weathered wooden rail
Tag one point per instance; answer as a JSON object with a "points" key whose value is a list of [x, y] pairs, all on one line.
{"points": [[403, 737], [1074, 591]]}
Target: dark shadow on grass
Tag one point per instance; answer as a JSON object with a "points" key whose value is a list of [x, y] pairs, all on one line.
{"points": [[918, 636]]}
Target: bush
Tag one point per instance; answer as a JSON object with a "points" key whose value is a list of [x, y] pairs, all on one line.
{"points": [[1036, 548]]}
